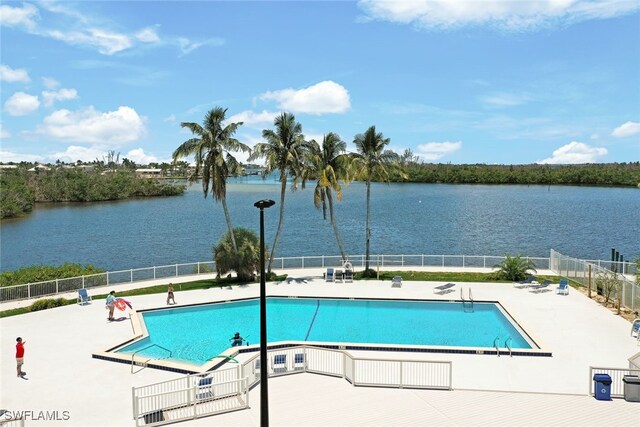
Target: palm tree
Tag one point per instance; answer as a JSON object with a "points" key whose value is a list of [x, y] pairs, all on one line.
{"points": [[283, 151], [212, 147], [372, 162], [327, 165], [514, 268], [245, 261]]}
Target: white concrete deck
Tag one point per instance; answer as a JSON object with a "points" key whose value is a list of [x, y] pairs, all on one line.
{"points": [[62, 375]]}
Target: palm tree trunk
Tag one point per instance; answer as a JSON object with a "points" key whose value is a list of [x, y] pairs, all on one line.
{"points": [[283, 190], [335, 227], [229, 225], [368, 229]]}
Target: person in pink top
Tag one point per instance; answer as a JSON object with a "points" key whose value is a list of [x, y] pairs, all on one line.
{"points": [[20, 356]]}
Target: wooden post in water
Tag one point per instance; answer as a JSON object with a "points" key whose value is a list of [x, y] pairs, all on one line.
{"points": [[589, 292]]}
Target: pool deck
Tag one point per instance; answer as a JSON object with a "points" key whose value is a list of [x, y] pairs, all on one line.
{"points": [[62, 375]]}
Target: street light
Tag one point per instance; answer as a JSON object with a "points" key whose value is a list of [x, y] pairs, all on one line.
{"points": [[264, 391]]}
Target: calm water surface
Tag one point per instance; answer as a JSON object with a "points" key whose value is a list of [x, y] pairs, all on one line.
{"points": [[585, 222]]}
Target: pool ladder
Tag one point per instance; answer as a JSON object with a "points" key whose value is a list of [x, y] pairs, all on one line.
{"points": [[144, 364], [467, 304], [507, 345]]}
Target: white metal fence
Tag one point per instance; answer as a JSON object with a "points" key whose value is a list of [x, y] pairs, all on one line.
{"points": [[227, 390], [578, 271], [60, 286]]}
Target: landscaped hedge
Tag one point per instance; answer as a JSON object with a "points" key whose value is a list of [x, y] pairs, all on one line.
{"points": [[43, 273]]}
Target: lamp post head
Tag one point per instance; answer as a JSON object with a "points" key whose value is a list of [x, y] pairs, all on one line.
{"points": [[263, 204]]}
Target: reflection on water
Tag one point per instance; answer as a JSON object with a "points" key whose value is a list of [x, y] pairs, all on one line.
{"points": [[406, 219]]}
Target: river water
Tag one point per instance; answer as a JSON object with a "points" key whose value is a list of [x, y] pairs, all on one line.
{"points": [[585, 222]]}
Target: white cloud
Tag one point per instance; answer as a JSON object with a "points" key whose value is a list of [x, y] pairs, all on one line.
{"points": [[21, 104], [626, 129], [187, 46], [249, 117], [8, 74], [500, 14], [321, 98], [576, 153], [89, 126], [50, 83], [170, 118], [4, 133], [148, 35], [10, 156], [49, 97], [437, 150], [506, 99], [74, 153], [138, 156], [18, 16], [107, 43]]}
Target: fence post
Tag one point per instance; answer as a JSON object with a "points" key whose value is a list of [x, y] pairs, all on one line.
{"points": [[422, 256], [82, 282], [443, 260], [29, 290], [154, 272], [198, 268], [589, 290], [57, 287], [131, 275], [462, 261], [176, 270], [484, 261], [322, 261], [401, 379], [302, 262]]}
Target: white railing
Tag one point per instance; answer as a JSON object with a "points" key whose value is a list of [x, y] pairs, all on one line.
{"points": [[61, 286], [228, 390], [200, 398], [578, 271], [616, 374]]}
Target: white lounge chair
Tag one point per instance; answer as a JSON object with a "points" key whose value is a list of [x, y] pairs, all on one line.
{"points": [[279, 363], [396, 282]]}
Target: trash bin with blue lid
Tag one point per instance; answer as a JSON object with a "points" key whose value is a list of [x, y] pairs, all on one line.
{"points": [[631, 388], [602, 386]]}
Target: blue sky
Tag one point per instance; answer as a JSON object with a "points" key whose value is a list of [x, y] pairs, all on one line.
{"points": [[454, 81]]}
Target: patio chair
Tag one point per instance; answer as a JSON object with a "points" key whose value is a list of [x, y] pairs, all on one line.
{"points": [[83, 297], [563, 287], [279, 363], [330, 276], [348, 276], [204, 388], [298, 362], [444, 289], [635, 328], [396, 282]]}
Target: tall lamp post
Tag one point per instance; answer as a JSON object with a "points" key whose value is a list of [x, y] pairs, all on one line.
{"points": [[264, 390]]}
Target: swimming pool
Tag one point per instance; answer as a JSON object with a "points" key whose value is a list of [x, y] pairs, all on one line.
{"points": [[196, 334]]}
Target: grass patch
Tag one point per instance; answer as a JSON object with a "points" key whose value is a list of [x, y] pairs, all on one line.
{"points": [[158, 289]]}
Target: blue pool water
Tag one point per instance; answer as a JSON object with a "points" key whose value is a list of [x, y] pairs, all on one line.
{"points": [[196, 334]]}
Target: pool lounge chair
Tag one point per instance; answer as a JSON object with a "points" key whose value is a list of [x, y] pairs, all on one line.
{"points": [[444, 289], [396, 282], [563, 287], [330, 276], [541, 287], [83, 297]]}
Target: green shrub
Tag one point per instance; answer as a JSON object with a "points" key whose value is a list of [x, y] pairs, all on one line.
{"points": [[514, 268], [47, 303]]}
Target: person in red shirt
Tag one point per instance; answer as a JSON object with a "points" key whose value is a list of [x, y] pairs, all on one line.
{"points": [[20, 355]]}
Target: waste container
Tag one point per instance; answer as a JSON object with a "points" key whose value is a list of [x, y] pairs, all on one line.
{"points": [[602, 386], [631, 388]]}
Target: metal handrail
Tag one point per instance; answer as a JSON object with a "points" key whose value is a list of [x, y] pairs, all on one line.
{"points": [[495, 344], [151, 358], [508, 345]]}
